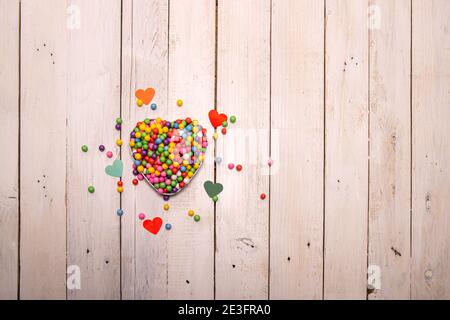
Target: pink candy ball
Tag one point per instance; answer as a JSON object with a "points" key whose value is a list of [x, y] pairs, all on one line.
{"points": [[109, 154], [270, 162], [141, 216], [140, 177], [230, 166]]}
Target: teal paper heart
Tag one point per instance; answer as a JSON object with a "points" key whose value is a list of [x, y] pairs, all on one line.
{"points": [[115, 170], [212, 189]]}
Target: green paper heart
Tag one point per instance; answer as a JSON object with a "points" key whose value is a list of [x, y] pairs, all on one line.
{"points": [[212, 189], [115, 170]]}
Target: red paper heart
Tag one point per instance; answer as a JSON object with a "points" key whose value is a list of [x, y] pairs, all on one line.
{"points": [[154, 225], [146, 96], [216, 118]]}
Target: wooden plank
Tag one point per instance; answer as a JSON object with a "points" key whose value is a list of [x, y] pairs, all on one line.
{"points": [[296, 196], [346, 142], [430, 150], [389, 210], [93, 92], [243, 90], [191, 78], [44, 99], [144, 255], [9, 140]]}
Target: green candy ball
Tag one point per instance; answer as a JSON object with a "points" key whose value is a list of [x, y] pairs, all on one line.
{"points": [[232, 119], [91, 189], [119, 120], [84, 148], [224, 124], [215, 198], [197, 218]]}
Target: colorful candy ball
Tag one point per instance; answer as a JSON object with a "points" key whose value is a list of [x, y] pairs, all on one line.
{"points": [[224, 124], [270, 162], [153, 106], [262, 196], [109, 154], [101, 148], [197, 218], [238, 167], [215, 198], [119, 142], [166, 197], [119, 212], [119, 120], [139, 102], [231, 166], [168, 153], [179, 102], [224, 131], [168, 226], [91, 189], [118, 127], [166, 206], [191, 213], [141, 216], [84, 148], [119, 189], [232, 119], [135, 182]]}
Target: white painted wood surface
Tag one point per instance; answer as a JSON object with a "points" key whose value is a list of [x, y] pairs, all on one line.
{"points": [[243, 90], [390, 147], [346, 150], [43, 137], [296, 225], [430, 149], [93, 229], [9, 140], [317, 88], [191, 78]]}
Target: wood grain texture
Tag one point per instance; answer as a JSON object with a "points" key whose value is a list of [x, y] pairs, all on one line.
{"points": [[191, 78], [93, 72], [389, 210], [346, 154], [243, 90], [431, 151], [44, 100], [144, 255], [296, 192], [9, 140]]}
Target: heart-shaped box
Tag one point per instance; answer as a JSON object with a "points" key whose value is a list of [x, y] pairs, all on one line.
{"points": [[168, 154]]}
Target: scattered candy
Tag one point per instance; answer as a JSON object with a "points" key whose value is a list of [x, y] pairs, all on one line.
{"points": [[119, 189], [168, 154], [91, 189], [166, 197], [179, 102], [119, 120], [109, 154], [145, 96], [224, 124], [118, 127], [119, 212], [101, 148], [216, 119], [232, 119], [224, 131], [230, 166], [197, 218], [84, 148], [218, 160], [141, 216], [166, 206], [135, 182], [191, 213], [120, 183], [238, 167], [153, 106], [139, 102], [262, 196], [215, 135], [119, 142], [270, 162], [168, 226]]}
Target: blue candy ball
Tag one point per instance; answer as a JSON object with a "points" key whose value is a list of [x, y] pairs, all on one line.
{"points": [[168, 226], [153, 106], [119, 212]]}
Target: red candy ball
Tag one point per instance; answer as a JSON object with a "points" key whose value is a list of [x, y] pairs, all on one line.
{"points": [[224, 131], [120, 183], [262, 196], [135, 182], [238, 167]]}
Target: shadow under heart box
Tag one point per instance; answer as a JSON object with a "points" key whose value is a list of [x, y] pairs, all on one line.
{"points": [[167, 154]]}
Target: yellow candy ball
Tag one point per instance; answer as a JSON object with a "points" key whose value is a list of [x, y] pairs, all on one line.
{"points": [[119, 142], [179, 102], [139, 102], [132, 144], [140, 168], [191, 213], [138, 156], [120, 189], [215, 135], [166, 207]]}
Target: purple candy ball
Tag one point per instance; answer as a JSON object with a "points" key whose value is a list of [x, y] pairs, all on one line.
{"points": [[118, 127], [101, 148], [166, 198]]}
